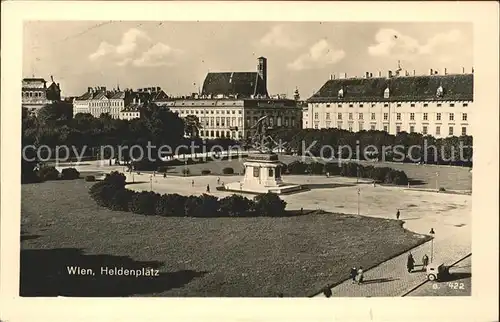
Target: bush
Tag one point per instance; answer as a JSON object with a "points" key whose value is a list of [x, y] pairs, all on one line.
{"points": [[228, 170], [116, 178], [297, 167], [90, 178], [102, 192], [170, 205], [120, 199], [163, 169], [143, 203], [332, 168], [70, 174], [235, 206], [205, 172], [203, 206], [442, 189], [315, 168], [269, 204], [48, 173], [186, 171]]}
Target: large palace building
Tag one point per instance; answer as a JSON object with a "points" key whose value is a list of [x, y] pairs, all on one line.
{"points": [[434, 104], [36, 94], [231, 103]]}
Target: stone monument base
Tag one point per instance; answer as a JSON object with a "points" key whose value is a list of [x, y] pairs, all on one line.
{"points": [[262, 175]]}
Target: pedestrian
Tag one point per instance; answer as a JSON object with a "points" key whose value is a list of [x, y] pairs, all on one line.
{"points": [[425, 261], [154, 173], [208, 188], [192, 183], [410, 263], [353, 274], [328, 174], [360, 275], [164, 174], [280, 294], [218, 180], [327, 292], [398, 214]]}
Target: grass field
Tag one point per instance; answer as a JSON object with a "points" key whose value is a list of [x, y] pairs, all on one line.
{"points": [[296, 255], [422, 176]]}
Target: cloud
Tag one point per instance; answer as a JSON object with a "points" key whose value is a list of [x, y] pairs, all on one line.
{"points": [[392, 42], [158, 55], [281, 36], [128, 51], [103, 50], [319, 55]]}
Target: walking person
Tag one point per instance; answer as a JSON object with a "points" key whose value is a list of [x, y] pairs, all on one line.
{"points": [[208, 188], [192, 183], [164, 174], [218, 180], [410, 263], [425, 261], [398, 214], [353, 274], [360, 277]]}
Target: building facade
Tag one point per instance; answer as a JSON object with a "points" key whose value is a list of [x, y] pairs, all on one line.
{"points": [[118, 104], [437, 105], [35, 93], [231, 103]]}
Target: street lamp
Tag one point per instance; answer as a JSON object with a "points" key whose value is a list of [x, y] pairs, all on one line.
{"points": [[359, 192], [437, 183], [432, 243], [150, 183]]}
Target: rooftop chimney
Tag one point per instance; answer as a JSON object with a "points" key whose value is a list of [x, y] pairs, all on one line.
{"points": [[445, 71], [389, 74], [431, 72], [367, 75], [331, 76], [89, 89], [472, 70], [413, 72], [371, 75], [379, 73], [463, 70]]}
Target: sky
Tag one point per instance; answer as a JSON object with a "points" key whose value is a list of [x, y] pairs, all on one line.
{"points": [[177, 55]]}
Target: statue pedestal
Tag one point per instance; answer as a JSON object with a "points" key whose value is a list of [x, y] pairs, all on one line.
{"points": [[262, 175]]}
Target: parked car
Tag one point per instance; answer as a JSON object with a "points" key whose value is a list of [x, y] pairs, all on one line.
{"points": [[437, 271]]}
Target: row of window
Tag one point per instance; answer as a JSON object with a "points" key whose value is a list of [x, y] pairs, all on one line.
{"points": [[397, 105], [220, 134], [233, 121], [425, 128], [33, 94], [196, 112], [425, 116]]}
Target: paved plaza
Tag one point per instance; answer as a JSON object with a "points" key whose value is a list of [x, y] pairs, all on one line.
{"points": [[449, 215]]}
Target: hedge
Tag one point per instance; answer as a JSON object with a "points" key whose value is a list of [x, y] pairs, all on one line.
{"points": [[111, 193], [90, 178], [48, 173], [205, 172], [350, 169], [69, 174], [228, 170]]}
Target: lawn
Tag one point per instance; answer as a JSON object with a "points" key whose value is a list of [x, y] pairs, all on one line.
{"points": [[422, 176], [296, 255]]}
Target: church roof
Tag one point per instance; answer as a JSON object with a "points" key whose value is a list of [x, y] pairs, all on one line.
{"points": [[244, 84], [404, 88]]}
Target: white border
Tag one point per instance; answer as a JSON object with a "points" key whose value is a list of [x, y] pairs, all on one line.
{"points": [[479, 307]]}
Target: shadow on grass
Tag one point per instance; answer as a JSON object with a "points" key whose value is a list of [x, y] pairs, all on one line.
{"points": [[416, 182], [44, 272], [313, 186], [28, 237]]}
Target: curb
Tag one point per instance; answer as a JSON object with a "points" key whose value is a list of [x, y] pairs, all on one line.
{"points": [[426, 280]]}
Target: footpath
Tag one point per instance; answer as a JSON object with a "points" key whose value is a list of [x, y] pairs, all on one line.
{"points": [[391, 278]]}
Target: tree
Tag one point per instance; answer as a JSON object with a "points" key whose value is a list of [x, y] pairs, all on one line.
{"points": [[192, 126]]}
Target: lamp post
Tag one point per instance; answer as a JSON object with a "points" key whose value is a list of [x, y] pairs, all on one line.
{"points": [[185, 166], [150, 183], [359, 192], [437, 182], [432, 243]]}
